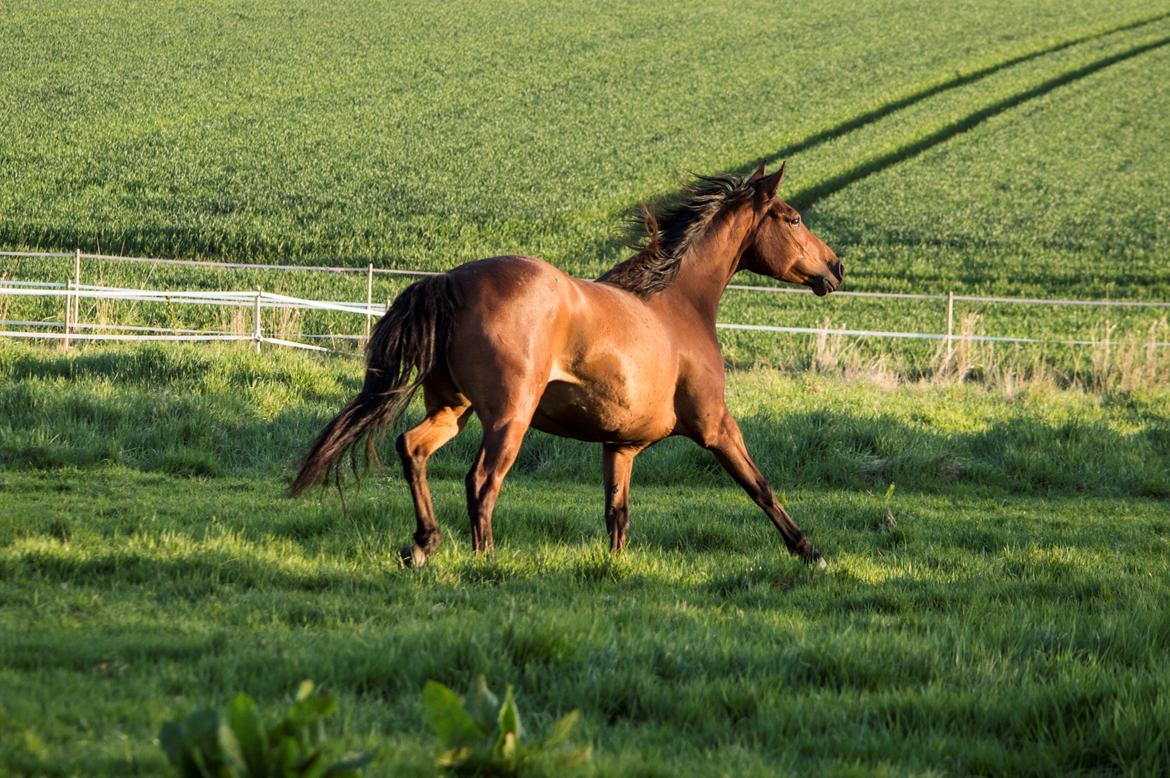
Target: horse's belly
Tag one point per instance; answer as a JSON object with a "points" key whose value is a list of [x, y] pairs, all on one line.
{"points": [[602, 412]]}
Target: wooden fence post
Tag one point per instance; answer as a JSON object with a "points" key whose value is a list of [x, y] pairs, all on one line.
{"points": [[369, 297], [68, 311], [76, 286], [950, 324], [257, 335]]}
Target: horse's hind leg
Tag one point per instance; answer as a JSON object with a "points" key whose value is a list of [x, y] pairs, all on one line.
{"points": [[497, 453], [415, 446]]}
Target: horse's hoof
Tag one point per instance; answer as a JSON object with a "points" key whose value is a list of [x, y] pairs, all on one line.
{"points": [[809, 555], [412, 556], [815, 560], [418, 557]]}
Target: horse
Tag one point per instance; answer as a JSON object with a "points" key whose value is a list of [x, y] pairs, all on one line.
{"points": [[624, 360]]}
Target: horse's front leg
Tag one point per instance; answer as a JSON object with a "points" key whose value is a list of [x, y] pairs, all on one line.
{"points": [[726, 443], [617, 464]]}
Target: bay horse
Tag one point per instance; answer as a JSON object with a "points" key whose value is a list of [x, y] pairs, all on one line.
{"points": [[623, 361]]}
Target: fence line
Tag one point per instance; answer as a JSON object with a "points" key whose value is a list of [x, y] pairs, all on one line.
{"points": [[101, 336], [128, 328], [371, 270], [795, 290], [925, 335], [1053, 301], [258, 299], [206, 263], [269, 299]]}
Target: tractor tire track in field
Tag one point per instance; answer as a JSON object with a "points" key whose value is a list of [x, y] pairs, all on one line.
{"points": [[963, 79], [810, 195]]}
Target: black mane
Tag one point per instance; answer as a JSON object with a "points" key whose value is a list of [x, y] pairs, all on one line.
{"points": [[668, 235]]}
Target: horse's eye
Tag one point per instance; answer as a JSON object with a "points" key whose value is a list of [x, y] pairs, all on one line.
{"points": [[795, 220]]}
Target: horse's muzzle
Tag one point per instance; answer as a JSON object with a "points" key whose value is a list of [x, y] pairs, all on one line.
{"points": [[823, 285]]}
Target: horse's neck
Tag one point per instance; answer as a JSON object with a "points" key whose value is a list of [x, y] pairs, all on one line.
{"points": [[706, 272]]}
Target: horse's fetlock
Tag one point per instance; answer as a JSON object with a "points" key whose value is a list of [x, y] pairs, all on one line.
{"points": [[428, 539]]}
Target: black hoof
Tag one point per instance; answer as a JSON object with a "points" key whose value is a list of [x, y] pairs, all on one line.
{"points": [[815, 560], [412, 556], [809, 555]]}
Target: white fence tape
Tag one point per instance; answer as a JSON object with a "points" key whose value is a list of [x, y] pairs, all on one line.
{"points": [[99, 336], [35, 254], [420, 273], [260, 299], [800, 290], [219, 265], [1046, 301], [121, 327], [294, 344], [924, 335], [269, 299]]}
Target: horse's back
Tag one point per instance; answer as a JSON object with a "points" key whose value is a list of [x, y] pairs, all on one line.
{"points": [[595, 355], [530, 292], [505, 299]]}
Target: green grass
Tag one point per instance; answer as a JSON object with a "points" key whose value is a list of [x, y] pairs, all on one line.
{"points": [[1035, 170], [442, 133], [1009, 619]]}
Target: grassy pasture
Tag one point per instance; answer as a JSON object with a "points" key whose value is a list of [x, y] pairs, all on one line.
{"points": [[1055, 190], [1002, 612], [1007, 619]]}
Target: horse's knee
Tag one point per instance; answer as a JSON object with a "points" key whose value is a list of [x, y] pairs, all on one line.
{"points": [[482, 483], [502, 439], [713, 432]]}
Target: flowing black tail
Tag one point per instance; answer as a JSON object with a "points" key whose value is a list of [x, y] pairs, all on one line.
{"points": [[407, 341]]}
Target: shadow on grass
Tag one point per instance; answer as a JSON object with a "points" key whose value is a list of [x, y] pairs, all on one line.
{"points": [[170, 418], [154, 366], [1023, 454], [810, 195]]}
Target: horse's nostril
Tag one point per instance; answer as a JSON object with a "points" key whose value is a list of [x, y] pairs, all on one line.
{"points": [[839, 271]]}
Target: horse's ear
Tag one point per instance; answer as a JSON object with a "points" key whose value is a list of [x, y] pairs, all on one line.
{"points": [[754, 177], [766, 186]]}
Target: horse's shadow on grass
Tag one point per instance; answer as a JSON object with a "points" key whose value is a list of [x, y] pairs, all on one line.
{"points": [[219, 433], [848, 452]]}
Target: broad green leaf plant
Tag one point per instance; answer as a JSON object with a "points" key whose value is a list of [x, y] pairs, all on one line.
{"points": [[485, 737], [236, 744]]}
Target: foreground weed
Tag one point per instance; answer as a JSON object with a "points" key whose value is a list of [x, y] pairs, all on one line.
{"points": [[237, 745], [486, 738]]}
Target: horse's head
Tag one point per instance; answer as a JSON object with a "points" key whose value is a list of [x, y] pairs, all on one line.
{"points": [[782, 246]]}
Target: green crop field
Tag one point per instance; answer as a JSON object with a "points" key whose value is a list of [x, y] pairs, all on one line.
{"points": [[1023, 157], [1001, 610]]}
